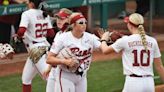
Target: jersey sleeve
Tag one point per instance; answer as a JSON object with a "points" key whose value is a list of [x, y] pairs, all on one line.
{"points": [[118, 45], [57, 44], [96, 42], [49, 22], [156, 50], [24, 20]]}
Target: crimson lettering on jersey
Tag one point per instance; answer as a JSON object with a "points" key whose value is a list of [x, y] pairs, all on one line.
{"points": [[40, 17], [41, 30], [139, 43], [79, 52], [141, 63], [84, 61]]}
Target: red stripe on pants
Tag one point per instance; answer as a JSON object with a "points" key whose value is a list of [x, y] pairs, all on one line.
{"points": [[60, 81]]}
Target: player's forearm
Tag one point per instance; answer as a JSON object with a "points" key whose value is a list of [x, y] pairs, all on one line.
{"points": [[54, 61], [159, 68], [105, 48], [49, 67], [161, 72], [50, 33]]}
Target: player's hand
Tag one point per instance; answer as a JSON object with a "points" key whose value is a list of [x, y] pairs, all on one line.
{"points": [[105, 36], [16, 38], [100, 32], [46, 73]]}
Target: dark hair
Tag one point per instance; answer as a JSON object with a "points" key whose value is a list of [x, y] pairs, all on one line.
{"points": [[45, 11], [36, 3], [39, 5]]}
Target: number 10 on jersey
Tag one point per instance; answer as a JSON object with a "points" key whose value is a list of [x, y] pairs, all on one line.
{"points": [[143, 54]]}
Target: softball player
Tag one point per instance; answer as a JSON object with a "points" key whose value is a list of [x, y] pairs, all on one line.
{"points": [[35, 25], [139, 52], [82, 45], [61, 25]]}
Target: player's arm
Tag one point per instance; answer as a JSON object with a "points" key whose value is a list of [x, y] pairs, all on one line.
{"points": [[105, 48], [23, 25], [115, 47], [52, 54], [47, 71], [50, 32], [157, 61], [159, 67], [54, 61]]}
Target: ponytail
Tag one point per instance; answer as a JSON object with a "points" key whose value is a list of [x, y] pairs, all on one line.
{"points": [[45, 13], [143, 36]]}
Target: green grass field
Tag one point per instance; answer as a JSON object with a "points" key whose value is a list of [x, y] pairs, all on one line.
{"points": [[104, 76]]}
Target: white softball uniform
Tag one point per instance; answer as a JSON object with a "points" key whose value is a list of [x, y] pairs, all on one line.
{"points": [[37, 26], [137, 63], [51, 78], [34, 36], [65, 80]]}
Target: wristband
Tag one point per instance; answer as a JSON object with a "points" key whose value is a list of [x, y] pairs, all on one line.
{"points": [[103, 41]]}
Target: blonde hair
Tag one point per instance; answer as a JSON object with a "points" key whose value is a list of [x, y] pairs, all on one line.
{"points": [[138, 20], [143, 36]]}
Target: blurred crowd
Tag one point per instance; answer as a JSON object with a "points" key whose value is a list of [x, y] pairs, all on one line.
{"points": [[7, 2]]}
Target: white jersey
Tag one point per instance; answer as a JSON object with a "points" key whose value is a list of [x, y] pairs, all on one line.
{"points": [[57, 35], [52, 72], [82, 48], [36, 26], [134, 57]]}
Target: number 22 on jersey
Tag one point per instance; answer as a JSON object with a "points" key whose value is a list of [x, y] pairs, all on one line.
{"points": [[41, 30], [143, 54]]}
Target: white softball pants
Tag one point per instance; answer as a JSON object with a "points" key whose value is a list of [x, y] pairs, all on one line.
{"points": [[31, 69], [66, 82], [139, 84]]}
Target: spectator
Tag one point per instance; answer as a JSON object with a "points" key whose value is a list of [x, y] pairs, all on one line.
{"points": [[5, 27], [7, 2], [142, 6], [7, 20]]}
